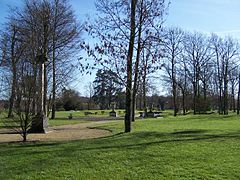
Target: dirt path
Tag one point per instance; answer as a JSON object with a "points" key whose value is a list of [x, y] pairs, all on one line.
{"points": [[60, 133]]}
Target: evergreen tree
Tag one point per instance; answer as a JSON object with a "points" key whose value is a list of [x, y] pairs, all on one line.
{"points": [[106, 88]]}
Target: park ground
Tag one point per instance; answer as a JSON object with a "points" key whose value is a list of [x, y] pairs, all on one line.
{"points": [[183, 147]]}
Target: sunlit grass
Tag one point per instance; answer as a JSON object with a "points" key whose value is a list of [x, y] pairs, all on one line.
{"points": [[183, 147]]}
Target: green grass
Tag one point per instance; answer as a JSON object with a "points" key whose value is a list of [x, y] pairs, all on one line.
{"points": [[62, 117], [79, 114], [62, 121], [184, 147], [55, 122]]}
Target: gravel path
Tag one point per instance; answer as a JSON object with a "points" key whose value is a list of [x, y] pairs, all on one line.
{"points": [[60, 133]]}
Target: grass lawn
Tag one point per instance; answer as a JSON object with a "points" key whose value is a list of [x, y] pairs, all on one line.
{"points": [[184, 147], [55, 122], [95, 113], [62, 119]]}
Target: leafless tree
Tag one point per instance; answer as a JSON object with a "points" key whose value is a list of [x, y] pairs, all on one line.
{"points": [[225, 51], [197, 51], [173, 43]]}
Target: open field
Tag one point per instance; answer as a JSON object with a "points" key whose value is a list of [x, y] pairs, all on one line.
{"points": [[184, 147]]}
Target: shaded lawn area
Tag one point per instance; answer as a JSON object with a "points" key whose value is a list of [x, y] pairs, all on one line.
{"points": [[185, 147]]}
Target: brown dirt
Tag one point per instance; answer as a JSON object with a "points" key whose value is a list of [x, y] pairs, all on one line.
{"points": [[60, 133]]}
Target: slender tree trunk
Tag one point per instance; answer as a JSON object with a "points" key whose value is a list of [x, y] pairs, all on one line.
{"points": [[129, 69], [220, 103], [233, 98], [24, 137], [13, 92], [174, 88], [238, 98], [45, 48], [225, 92], [194, 98], [140, 98], [54, 80], [54, 62], [45, 91], [144, 98], [205, 95], [34, 106], [135, 84], [144, 88], [14, 71], [183, 103]]}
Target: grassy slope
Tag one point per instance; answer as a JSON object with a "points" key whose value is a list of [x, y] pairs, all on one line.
{"points": [[191, 147]]}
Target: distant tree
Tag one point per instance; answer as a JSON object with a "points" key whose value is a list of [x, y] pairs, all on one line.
{"points": [[225, 53], [106, 88], [233, 81], [120, 99], [173, 47], [70, 99], [197, 52], [89, 93], [183, 83]]}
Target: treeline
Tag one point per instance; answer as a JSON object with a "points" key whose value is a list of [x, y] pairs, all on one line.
{"points": [[203, 69]]}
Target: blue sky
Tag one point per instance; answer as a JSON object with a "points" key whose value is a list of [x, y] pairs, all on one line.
{"points": [[219, 16]]}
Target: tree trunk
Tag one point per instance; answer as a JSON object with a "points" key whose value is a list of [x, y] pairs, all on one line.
{"points": [[220, 103], [194, 98], [14, 71], [13, 92], [129, 69], [174, 88], [54, 81], [238, 98], [233, 98], [205, 95], [135, 84], [183, 103], [225, 94], [24, 136], [144, 91]]}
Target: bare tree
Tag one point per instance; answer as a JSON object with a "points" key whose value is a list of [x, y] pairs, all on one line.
{"points": [[233, 80], [48, 28], [225, 51], [197, 51], [22, 118], [173, 49], [13, 49], [89, 93], [150, 15]]}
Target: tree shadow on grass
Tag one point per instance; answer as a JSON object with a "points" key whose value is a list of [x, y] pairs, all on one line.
{"points": [[144, 139], [136, 140]]}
